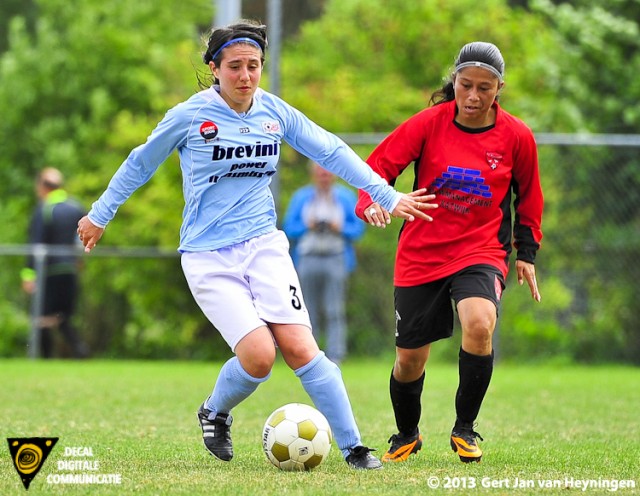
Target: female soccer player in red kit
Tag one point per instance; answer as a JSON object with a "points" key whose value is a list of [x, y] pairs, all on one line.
{"points": [[473, 156]]}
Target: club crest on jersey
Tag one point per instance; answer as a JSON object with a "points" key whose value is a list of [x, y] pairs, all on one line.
{"points": [[271, 127], [494, 159], [208, 130]]}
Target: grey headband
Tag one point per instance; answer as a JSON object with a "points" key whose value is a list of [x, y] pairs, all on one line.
{"points": [[482, 65]]}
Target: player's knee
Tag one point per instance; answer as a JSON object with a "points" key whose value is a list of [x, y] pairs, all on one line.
{"points": [[259, 363], [479, 327], [409, 365], [260, 368], [299, 355], [477, 335]]}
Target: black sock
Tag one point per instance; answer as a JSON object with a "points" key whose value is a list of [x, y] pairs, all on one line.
{"points": [[405, 399], [475, 374]]}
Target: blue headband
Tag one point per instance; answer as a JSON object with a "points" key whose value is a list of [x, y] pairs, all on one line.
{"points": [[236, 40]]}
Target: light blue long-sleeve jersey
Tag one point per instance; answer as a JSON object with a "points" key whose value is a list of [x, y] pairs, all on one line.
{"points": [[227, 162]]}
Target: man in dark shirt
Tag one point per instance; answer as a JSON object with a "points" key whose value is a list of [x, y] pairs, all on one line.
{"points": [[54, 223]]}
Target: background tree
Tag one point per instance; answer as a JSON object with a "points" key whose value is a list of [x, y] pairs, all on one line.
{"points": [[91, 79], [10, 9], [87, 86], [602, 191], [381, 60]]}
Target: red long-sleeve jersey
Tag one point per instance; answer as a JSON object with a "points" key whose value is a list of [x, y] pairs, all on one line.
{"points": [[473, 175]]}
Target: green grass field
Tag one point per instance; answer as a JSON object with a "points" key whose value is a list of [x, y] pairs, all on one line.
{"points": [[541, 425]]}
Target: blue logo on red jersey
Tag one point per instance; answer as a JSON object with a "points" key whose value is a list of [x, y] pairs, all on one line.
{"points": [[468, 181]]}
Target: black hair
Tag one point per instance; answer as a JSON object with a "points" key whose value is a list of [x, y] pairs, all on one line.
{"points": [[476, 51], [219, 36]]}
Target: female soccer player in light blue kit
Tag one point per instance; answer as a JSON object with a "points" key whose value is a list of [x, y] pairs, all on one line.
{"points": [[235, 260]]}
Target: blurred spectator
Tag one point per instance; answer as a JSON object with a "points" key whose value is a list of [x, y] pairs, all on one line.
{"points": [[322, 224], [54, 223]]}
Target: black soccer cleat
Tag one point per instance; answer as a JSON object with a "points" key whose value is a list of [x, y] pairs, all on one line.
{"points": [[361, 458], [216, 433]]}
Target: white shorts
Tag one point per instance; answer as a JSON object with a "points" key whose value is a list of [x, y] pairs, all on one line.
{"points": [[245, 286]]}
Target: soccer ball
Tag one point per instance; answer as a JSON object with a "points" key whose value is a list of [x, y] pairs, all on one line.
{"points": [[296, 437]]}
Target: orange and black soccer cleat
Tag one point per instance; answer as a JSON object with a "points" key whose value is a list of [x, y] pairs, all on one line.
{"points": [[463, 442], [401, 447]]}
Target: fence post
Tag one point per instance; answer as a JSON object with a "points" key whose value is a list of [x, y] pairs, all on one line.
{"points": [[40, 253]]}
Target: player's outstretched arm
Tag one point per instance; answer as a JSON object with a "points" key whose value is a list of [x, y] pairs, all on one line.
{"points": [[410, 207], [89, 233]]}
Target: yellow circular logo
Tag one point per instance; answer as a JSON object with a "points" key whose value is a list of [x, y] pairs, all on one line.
{"points": [[28, 458]]}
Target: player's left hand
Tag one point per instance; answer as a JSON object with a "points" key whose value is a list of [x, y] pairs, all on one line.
{"points": [[527, 271]]}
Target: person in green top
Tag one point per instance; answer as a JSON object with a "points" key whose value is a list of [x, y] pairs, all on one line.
{"points": [[54, 223]]}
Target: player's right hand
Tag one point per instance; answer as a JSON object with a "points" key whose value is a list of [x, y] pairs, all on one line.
{"points": [[411, 205], [89, 233]]}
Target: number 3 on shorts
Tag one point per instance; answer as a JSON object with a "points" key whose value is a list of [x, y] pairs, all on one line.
{"points": [[295, 299]]}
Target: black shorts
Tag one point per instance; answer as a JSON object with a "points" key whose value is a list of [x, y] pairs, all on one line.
{"points": [[424, 313]]}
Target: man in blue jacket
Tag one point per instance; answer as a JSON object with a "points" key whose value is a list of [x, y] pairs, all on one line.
{"points": [[322, 225]]}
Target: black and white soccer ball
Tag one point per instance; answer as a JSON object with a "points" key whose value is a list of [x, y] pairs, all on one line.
{"points": [[296, 437]]}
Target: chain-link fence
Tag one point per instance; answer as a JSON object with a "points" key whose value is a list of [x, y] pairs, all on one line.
{"points": [[135, 302], [588, 268]]}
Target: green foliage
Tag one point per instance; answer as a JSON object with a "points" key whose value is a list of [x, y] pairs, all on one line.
{"points": [[556, 58], [532, 331], [600, 61], [602, 195], [15, 328], [79, 94], [14, 305], [379, 61], [84, 82]]}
